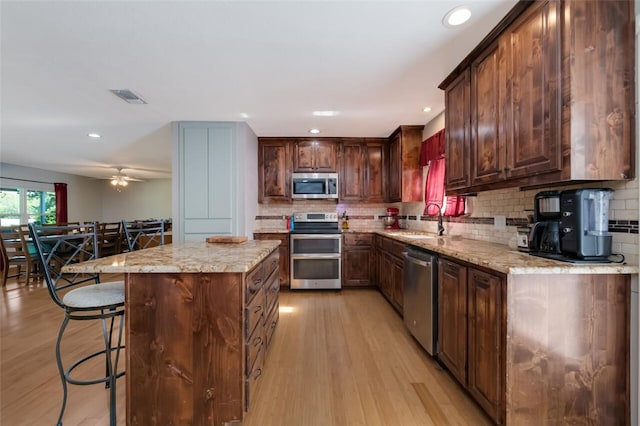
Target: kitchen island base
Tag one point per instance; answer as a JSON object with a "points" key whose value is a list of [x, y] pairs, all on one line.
{"points": [[194, 350]]}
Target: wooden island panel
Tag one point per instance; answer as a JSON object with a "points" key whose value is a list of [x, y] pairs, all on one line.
{"points": [[185, 349], [567, 356]]}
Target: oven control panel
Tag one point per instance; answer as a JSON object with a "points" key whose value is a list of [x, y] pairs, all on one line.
{"points": [[316, 217]]}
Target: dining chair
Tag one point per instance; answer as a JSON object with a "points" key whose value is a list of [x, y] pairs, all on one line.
{"points": [[83, 298], [141, 235], [109, 238], [14, 254]]}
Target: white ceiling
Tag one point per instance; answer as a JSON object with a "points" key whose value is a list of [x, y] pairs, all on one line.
{"points": [[377, 62]]}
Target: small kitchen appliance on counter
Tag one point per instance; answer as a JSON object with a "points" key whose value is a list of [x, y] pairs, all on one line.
{"points": [[391, 219], [572, 225], [544, 239], [585, 224]]}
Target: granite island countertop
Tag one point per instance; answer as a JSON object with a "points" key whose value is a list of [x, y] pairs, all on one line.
{"points": [[186, 257]]}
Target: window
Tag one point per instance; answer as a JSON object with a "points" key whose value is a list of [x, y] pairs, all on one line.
{"points": [[18, 205]]}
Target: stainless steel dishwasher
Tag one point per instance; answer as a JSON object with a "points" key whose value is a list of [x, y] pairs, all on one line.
{"points": [[421, 297]]}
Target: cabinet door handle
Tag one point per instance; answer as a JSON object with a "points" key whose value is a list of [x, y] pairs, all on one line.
{"points": [[258, 373], [257, 341], [258, 309], [257, 282]]}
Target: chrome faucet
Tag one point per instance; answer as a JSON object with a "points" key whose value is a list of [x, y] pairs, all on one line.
{"points": [[440, 226]]}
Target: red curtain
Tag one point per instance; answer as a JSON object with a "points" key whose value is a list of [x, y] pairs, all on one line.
{"points": [[61, 202], [432, 153], [434, 189]]}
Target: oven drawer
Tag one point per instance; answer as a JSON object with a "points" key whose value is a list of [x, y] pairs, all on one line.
{"points": [[316, 272]]}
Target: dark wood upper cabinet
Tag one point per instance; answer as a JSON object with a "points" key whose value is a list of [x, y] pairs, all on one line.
{"points": [[488, 151], [315, 156], [274, 176], [531, 75], [457, 136], [405, 173], [362, 171], [375, 178], [548, 96]]}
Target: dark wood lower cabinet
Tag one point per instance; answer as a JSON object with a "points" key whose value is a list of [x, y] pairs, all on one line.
{"points": [[358, 261], [452, 318], [283, 249], [566, 358], [486, 357], [390, 268]]}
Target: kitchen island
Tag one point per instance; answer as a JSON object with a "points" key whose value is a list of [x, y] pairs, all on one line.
{"points": [[199, 318]]}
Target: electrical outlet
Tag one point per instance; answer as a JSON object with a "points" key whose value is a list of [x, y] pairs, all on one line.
{"points": [[500, 221]]}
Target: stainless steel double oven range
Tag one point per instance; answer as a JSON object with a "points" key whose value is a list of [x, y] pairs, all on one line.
{"points": [[316, 251]]}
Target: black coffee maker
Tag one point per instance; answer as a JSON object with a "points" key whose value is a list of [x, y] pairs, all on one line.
{"points": [[544, 239]]}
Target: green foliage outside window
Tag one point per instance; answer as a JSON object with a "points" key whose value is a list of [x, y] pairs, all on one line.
{"points": [[40, 207]]}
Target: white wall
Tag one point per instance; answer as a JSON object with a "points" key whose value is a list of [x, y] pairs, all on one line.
{"points": [[95, 199], [138, 201]]}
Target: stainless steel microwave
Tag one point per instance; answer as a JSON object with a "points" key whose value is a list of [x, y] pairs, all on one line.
{"points": [[314, 185]]}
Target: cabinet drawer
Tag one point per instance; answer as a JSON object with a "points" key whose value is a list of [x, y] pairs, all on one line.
{"points": [[271, 289], [253, 378], [254, 345], [254, 312], [395, 248], [271, 322], [271, 263], [358, 239], [254, 281]]}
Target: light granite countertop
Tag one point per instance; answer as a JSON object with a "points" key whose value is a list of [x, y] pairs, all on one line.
{"points": [[185, 257], [501, 258], [498, 257]]}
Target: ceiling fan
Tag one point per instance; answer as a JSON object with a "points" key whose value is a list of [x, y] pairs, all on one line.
{"points": [[121, 180]]}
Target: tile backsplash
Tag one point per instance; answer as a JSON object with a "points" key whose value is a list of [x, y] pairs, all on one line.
{"points": [[513, 204]]}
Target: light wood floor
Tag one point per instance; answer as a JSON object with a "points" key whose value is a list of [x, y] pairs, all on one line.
{"points": [[337, 358]]}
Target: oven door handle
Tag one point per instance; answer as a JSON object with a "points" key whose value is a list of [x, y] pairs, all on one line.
{"points": [[316, 236], [316, 256]]}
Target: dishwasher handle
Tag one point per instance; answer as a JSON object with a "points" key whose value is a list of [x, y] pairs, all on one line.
{"points": [[424, 263]]}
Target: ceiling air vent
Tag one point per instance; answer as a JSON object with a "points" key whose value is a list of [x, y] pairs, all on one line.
{"points": [[128, 96]]}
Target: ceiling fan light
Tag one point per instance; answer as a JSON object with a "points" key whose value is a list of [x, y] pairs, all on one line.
{"points": [[123, 182], [114, 182]]}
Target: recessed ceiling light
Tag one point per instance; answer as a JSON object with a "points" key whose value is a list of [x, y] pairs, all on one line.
{"points": [[326, 113], [456, 16], [244, 115], [314, 131], [426, 109], [94, 135]]}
